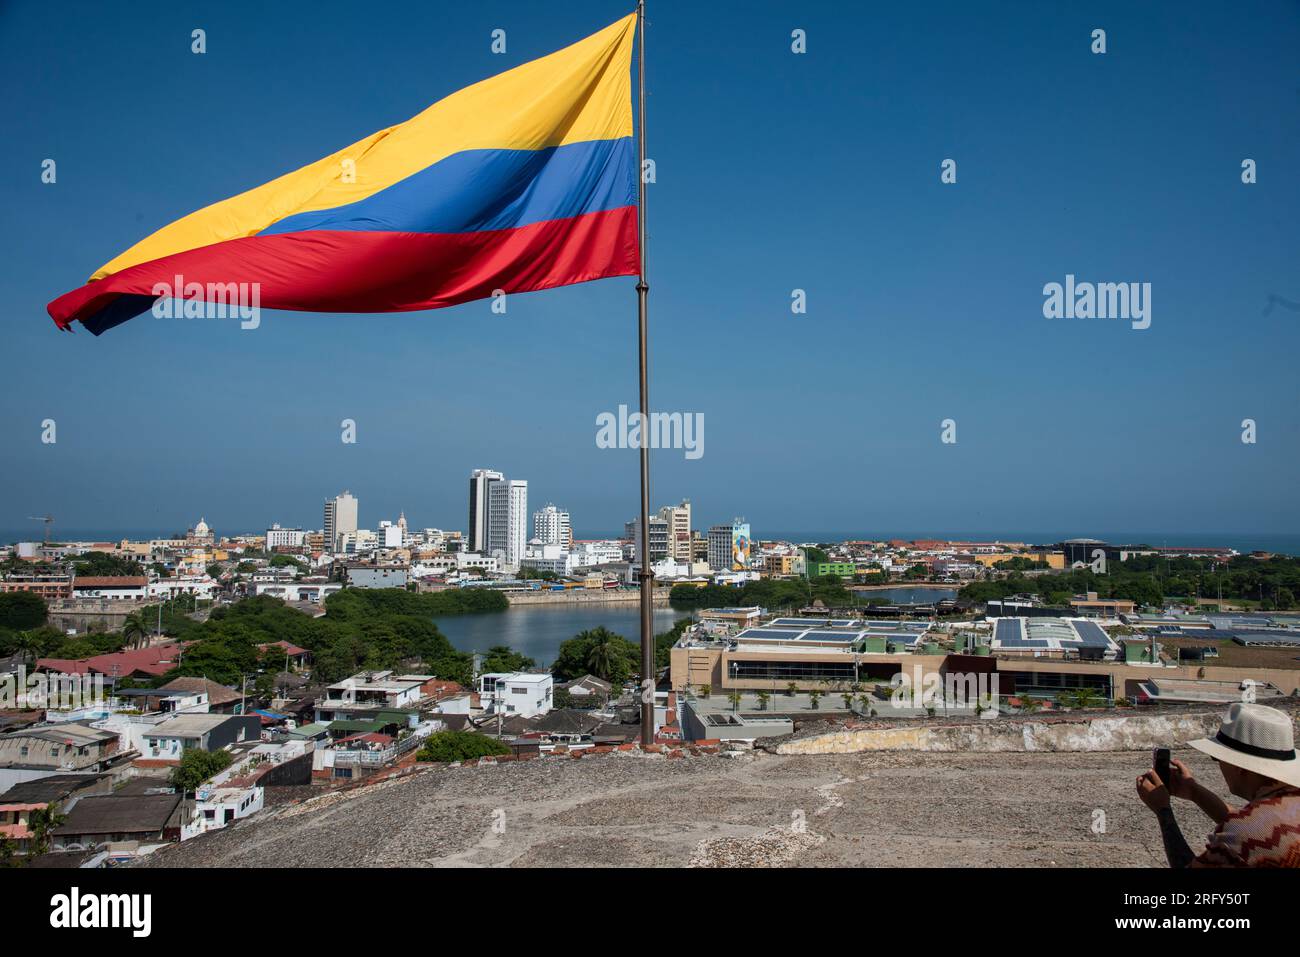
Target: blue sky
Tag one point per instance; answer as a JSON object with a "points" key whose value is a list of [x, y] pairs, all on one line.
{"points": [[776, 171]]}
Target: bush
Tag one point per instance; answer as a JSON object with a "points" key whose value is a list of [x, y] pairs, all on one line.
{"points": [[445, 746]]}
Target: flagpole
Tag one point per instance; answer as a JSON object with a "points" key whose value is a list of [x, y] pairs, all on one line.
{"points": [[643, 546]]}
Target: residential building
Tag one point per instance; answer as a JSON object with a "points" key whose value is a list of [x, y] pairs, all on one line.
{"points": [[366, 575], [551, 527], [63, 747], [50, 584], [658, 544], [516, 693], [678, 518], [149, 820], [166, 742]]}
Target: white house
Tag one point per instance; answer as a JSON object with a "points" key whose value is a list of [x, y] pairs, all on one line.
{"points": [[517, 692]]}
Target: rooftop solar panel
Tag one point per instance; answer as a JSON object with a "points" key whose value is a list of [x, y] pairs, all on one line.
{"points": [[823, 635], [769, 634]]}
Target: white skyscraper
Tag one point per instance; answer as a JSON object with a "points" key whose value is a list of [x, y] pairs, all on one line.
{"points": [[479, 482], [551, 526], [507, 521], [340, 520]]}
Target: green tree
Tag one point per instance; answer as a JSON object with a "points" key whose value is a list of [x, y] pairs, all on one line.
{"points": [[600, 652], [42, 823], [734, 697], [29, 645], [763, 698], [502, 658], [706, 690], [135, 632], [447, 746], [814, 699], [21, 610], [197, 766]]}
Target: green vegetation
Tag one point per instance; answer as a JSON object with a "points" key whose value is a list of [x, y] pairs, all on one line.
{"points": [[104, 564], [1019, 563], [21, 610], [363, 628], [769, 592], [1270, 584], [505, 658], [599, 652], [665, 640], [446, 746], [42, 824], [197, 766]]}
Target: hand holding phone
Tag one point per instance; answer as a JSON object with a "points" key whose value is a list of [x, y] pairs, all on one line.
{"points": [[1160, 764]]}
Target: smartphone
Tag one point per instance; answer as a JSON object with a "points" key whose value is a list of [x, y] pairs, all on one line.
{"points": [[1160, 762]]}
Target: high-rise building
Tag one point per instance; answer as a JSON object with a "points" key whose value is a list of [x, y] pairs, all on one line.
{"points": [[340, 520], [479, 482], [658, 538], [729, 546], [507, 521], [551, 525], [678, 518]]}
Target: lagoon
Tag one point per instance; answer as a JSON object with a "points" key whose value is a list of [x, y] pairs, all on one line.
{"points": [[538, 630]]}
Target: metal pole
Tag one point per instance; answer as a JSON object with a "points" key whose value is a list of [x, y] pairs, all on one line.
{"points": [[642, 291]]}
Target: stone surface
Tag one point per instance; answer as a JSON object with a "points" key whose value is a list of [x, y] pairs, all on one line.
{"points": [[752, 810]]}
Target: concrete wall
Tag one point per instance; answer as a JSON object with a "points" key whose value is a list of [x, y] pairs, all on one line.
{"points": [[583, 596], [1127, 733]]}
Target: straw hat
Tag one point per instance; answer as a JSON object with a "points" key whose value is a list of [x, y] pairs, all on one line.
{"points": [[1258, 739]]}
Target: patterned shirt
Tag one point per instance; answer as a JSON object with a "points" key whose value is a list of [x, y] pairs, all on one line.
{"points": [[1264, 833]]}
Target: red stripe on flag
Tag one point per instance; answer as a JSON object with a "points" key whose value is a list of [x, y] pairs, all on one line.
{"points": [[358, 271]]}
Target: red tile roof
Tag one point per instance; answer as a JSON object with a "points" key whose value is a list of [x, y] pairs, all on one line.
{"points": [[154, 660], [110, 581]]}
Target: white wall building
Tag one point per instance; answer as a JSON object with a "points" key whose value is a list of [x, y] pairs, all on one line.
{"points": [[340, 519], [277, 537], [507, 521], [518, 692], [551, 526]]}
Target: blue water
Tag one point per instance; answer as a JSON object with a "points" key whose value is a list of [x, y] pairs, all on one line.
{"points": [[538, 630]]}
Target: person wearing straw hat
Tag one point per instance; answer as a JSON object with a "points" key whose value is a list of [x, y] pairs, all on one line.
{"points": [[1255, 751]]}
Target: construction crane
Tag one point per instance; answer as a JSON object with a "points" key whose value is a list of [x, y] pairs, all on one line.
{"points": [[48, 520]]}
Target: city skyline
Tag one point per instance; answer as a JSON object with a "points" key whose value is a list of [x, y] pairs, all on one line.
{"points": [[924, 299]]}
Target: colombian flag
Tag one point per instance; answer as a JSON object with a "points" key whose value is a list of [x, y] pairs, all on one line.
{"points": [[524, 181]]}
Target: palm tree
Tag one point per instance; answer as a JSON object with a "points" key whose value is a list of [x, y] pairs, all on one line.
{"points": [[28, 645], [791, 689], [734, 698], [135, 633], [706, 690], [813, 698], [763, 698], [848, 701], [604, 656]]}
